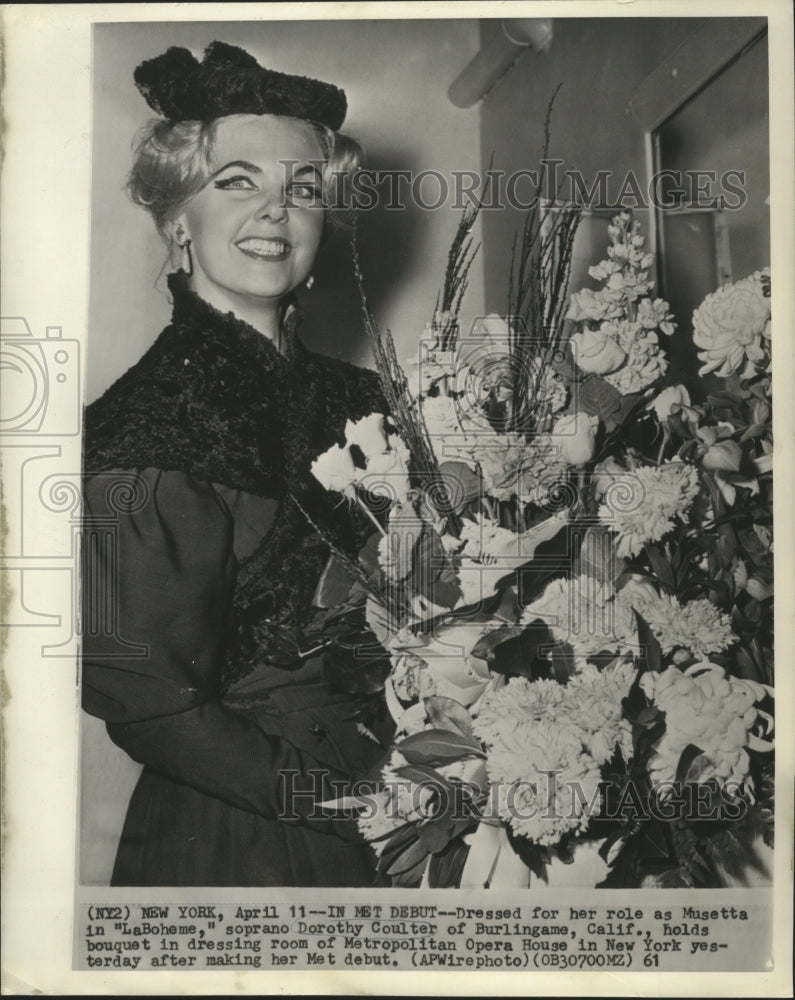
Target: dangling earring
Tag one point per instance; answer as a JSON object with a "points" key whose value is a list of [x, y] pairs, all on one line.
{"points": [[310, 281], [184, 243]]}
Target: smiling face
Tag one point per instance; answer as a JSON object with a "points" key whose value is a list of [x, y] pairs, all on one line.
{"points": [[256, 225]]}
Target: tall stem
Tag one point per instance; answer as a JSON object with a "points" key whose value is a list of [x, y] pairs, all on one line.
{"points": [[370, 514]]}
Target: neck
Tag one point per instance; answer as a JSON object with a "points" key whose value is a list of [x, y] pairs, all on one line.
{"points": [[263, 314]]}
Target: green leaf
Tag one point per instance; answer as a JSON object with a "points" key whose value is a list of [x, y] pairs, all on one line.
{"points": [[597, 557], [651, 653], [334, 586], [463, 485], [446, 867], [654, 841], [598, 397], [435, 747], [448, 714], [396, 844], [648, 716], [688, 755], [422, 774], [520, 656], [564, 663], [662, 568], [626, 407], [413, 855], [485, 647], [531, 854], [435, 834], [432, 574], [403, 536], [356, 674]]}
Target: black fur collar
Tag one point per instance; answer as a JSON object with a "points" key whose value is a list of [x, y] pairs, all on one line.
{"points": [[216, 399]]}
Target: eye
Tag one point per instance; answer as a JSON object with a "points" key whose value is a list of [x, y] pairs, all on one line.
{"points": [[304, 191], [237, 183]]}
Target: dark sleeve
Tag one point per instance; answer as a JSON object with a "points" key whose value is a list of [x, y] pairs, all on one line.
{"points": [[158, 577]]}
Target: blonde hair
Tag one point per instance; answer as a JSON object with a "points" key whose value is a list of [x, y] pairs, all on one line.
{"points": [[173, 162]]}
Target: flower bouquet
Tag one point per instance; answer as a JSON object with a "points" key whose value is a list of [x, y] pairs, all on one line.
{"points": [[571, 574]]}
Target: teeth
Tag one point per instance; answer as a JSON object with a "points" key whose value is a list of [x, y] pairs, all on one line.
{"points": [[264, 247]]}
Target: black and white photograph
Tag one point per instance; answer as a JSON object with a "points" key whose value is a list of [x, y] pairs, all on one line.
{"points": [[389, 436]]}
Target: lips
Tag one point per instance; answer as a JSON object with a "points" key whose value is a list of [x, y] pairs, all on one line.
{"points": [[261, 248]]}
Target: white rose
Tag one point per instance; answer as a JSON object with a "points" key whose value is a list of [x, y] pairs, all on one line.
{"points": [[334, 470], [595, 351], [455, 672], [575, 435], [367, 434], [674, 396]]}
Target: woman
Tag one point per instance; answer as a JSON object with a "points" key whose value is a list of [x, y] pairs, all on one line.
{"points": [[200, 564]]}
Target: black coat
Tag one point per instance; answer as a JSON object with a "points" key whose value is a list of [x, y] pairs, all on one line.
{"points": [[195, 559]]}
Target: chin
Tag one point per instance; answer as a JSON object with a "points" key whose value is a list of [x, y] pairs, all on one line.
{"points": [[266, 290]]}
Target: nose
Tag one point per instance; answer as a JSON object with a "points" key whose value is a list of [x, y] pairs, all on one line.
{"points": [[273, 207]]}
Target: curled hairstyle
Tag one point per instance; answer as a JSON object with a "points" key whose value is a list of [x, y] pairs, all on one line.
{"points": [[173, 162]]}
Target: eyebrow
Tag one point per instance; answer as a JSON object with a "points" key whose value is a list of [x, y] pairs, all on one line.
{"points": [[309, 168], [251, 167]]}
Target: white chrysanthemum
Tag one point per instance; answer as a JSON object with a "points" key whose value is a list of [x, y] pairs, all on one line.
{"points": [[512, 466], [696, 625], [661, 493], [521, 701], [543, 779], [593, 702], [729, 326], [709, 709], [583, 612]]}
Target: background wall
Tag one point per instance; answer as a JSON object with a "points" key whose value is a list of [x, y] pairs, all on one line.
{"points": [[395, 74], [600, 64]]}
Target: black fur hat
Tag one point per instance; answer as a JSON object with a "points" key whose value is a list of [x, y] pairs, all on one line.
{"points": [[229, 81]]}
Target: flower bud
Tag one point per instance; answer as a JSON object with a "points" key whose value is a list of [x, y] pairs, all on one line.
{"points": [[575, 435]]}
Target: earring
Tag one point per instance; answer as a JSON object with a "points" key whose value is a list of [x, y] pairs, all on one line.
{"points": [[187, 262], [184, 242], [310, 281]]}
